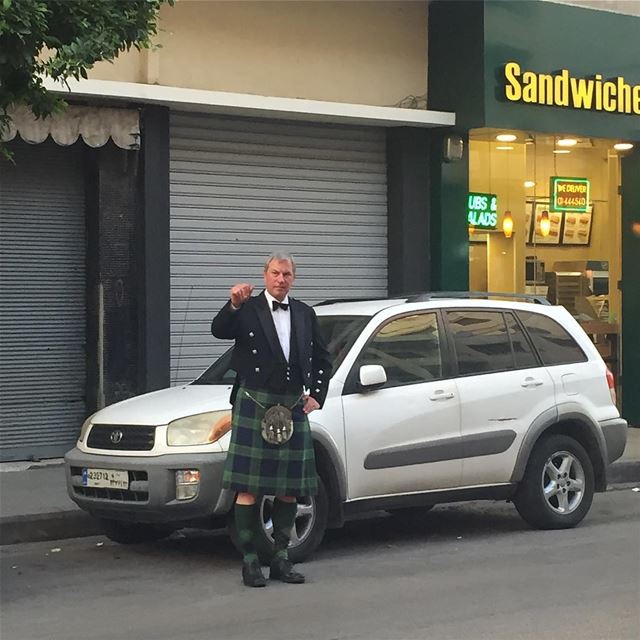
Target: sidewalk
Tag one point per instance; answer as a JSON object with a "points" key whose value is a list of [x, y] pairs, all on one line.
{"points": [[34, 504]]}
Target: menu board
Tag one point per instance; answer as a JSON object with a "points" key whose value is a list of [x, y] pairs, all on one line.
{"points": [[555, 218], [577, 227]]}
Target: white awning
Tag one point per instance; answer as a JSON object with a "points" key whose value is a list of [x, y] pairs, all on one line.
{"points": [[245, 104], [95, 124]]}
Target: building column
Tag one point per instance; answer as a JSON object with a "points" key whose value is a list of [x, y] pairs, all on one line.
{"points": [[153, 253], [631, 288], [409, 257]]}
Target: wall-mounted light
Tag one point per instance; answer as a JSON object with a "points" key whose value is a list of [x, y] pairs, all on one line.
{"points": [[453, 148], [545, 224], [507, 224], [622, 146]]}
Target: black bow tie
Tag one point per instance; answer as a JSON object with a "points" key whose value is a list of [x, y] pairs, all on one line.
{"points": [[279, 305]]}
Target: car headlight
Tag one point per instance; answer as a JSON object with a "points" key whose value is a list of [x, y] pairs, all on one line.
{"points": [[202, 428], [87, 424]]}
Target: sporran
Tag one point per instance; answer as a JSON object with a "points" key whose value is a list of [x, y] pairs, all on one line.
{"points": [[276, 426]]}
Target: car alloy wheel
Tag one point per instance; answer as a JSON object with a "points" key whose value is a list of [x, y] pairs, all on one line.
{"points": [[563, 482], [304, 522]]}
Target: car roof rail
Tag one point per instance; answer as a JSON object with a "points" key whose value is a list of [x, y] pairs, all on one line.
{"points": [[462, 295], [337, 300]]}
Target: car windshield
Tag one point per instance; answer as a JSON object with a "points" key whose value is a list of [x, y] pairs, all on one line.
{"points": [[340, 332]]}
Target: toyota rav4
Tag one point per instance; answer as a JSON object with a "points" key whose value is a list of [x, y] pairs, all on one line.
{"points": [[434, 398]]}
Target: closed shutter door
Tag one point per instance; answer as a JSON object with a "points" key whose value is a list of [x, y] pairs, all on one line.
{"points": [[242, 188], [42, 301]]}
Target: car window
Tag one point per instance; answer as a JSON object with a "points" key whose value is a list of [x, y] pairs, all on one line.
{"points": [[220, 372], [481, 341], [408, 348], [339, 332], [553, 342], [522, 351]]}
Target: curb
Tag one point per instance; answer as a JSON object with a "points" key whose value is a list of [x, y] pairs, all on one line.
{"points": [[75, 523], [41, 527], [623, 472]]}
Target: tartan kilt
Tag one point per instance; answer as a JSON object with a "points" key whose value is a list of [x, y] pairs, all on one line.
{"points": [[257, 467]]}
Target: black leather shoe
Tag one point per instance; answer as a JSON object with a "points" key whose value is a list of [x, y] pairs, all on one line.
{"points": [[282, 569], [252, 575]]}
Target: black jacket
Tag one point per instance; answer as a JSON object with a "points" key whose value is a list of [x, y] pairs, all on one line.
{"points": [[257, 352]]}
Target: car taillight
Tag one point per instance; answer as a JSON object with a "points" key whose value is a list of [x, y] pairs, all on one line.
{"points": [[612, 386]]}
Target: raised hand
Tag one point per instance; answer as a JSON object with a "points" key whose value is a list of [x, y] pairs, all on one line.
{"points": [[240, 293]]}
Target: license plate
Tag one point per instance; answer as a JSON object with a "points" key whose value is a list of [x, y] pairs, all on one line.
{"points": [[105, 478]]}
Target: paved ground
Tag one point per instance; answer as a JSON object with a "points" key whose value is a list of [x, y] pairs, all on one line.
{"points": [[466, 571]]}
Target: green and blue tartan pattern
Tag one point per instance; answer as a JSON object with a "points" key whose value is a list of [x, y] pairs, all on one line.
{"points": [[257, 467]]}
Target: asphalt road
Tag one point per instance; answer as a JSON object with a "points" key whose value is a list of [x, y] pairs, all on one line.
{"points": [[472, 571]]}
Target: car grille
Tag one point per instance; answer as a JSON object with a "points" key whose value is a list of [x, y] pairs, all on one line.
{"points": [[138, 488], [121, 437]]}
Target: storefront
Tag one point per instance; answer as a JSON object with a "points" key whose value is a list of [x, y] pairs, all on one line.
{"points": [[550, 117]]}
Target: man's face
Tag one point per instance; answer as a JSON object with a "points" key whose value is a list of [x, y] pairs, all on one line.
{"points": [[278, 278]]}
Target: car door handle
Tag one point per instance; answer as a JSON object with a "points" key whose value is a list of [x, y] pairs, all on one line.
{"points": [[441, 395], [532, 382]]}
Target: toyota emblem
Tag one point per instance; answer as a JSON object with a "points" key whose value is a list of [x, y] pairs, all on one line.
{"points": [[116, 436]]}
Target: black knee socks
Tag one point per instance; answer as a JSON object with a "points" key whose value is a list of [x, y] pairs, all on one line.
{"points": [[283, 517], [246, 525]]}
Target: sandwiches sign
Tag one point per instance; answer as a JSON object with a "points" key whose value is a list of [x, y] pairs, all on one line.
{"points": [[561, 89]]}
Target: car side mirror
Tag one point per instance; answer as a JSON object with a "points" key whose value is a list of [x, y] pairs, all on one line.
{"points": [[372, 376]]}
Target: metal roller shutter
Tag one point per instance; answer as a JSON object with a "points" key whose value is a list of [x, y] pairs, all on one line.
{"points": [[242, 188], [42, 301]]}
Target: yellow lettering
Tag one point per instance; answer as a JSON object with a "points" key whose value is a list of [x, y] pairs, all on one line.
{"points": [[513, 90], [608, 91], [561, 88], [530, 92], [636, 99], [545, 89], [624, 96], [598, 92], [581, 93]]}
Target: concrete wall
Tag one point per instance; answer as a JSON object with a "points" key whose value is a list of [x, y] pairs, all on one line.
{"points": [[361, 52]]}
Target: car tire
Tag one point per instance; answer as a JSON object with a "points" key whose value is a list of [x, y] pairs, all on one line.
{"points": [[134, 532], [557, 489], [309, 529]]}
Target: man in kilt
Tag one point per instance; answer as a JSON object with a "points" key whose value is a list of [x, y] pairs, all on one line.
{"points": [[280, 359]]}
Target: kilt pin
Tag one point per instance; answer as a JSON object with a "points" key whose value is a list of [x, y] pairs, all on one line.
{"points": [[264, 378]]}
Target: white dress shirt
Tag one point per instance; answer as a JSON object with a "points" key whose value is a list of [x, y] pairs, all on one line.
{"points": [[282, 321]]}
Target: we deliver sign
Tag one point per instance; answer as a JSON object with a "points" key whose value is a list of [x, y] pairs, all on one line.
{"points": [[569, 194]]}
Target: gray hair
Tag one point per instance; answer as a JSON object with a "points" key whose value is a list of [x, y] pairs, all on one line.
{"points": [[280, 255]]}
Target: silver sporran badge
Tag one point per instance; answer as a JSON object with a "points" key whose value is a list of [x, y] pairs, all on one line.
{"points": [[277, 425]]}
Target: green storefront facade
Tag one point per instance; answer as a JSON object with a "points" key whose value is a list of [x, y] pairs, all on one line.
{"points": [[583, 79]]}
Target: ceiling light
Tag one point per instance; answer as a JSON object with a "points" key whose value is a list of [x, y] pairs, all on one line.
{"points": [[561, 151], [503, 148], [529, 183], [623, 146], [506, 137], [529, 140], [567, 142]]}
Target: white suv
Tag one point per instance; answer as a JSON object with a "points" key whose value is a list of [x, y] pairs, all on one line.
{"points": [[434, 398]]}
